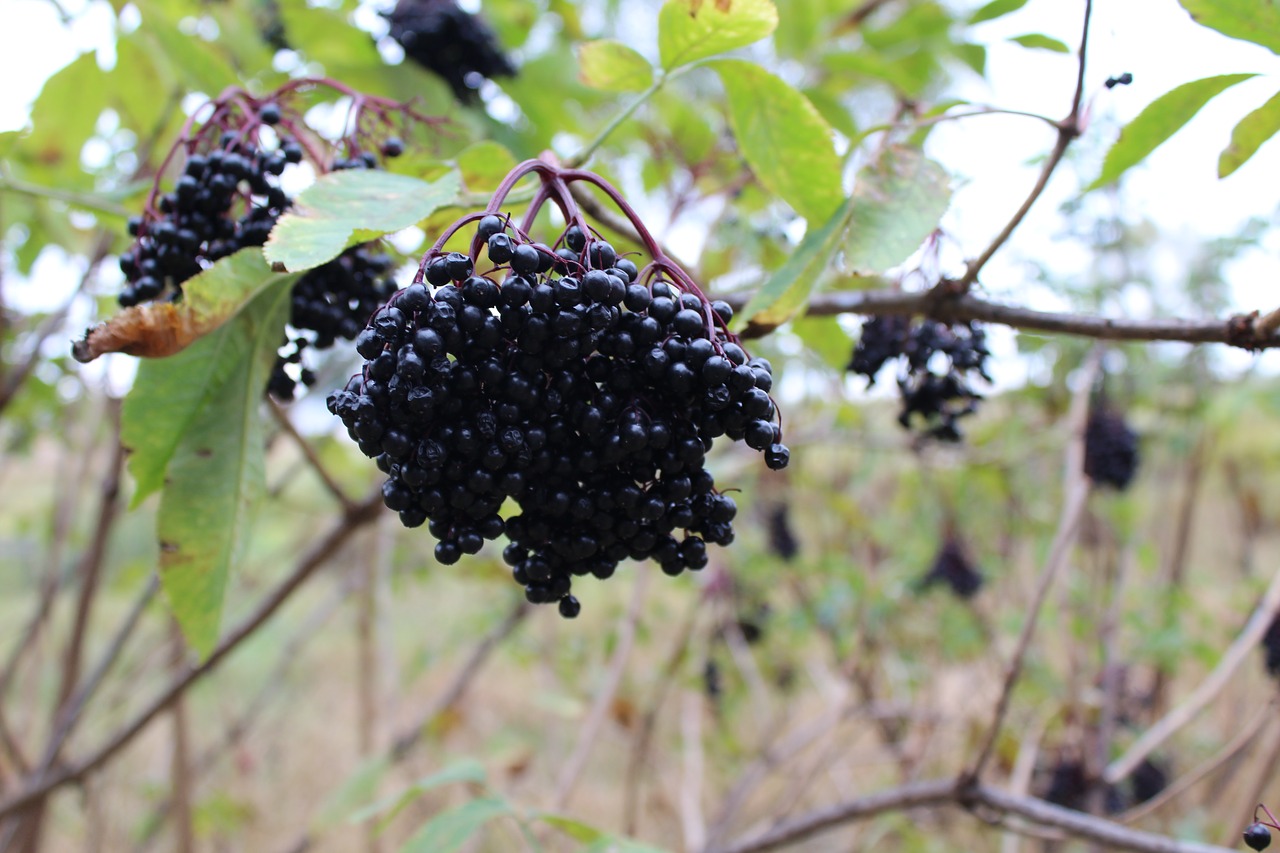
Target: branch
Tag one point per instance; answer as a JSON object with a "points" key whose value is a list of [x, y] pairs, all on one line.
{"points": [[945, 791], [320, 552], [309, 453], [1239, 330]]}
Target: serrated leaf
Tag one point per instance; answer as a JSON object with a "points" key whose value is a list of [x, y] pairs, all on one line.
{"points": [[168, 393], [897, 203], [216, 474], [1250, 20], [355, 793], [613, 67], [790, 286], [1158, 121], [783, 137], [464, 770], [327, 215], [1040, 41], [690, 30], [996, 9], [1247, 136], [449, 830]]}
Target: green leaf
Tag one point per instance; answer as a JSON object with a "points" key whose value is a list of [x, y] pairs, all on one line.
{"points": [[575, 829], [789, 288], [464, 770], [690, 30], [826, 337], [616, 844], [216, 475], [58, 129], [356, 202], [1040, 41], [168, 393], [996, 9], [1161, 119], [1247, 137], [612, 66], [355, 793], [897, 203], [449, 830], [784, 139], [1251, 20]]}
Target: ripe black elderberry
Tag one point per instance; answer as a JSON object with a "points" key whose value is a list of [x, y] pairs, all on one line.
{"points": [[951, 566], [1257, 836], [455, 45], [940, 399], [1110, 449], [534, 382]]}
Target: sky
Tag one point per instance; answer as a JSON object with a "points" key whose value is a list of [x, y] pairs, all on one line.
{"points": [[992, 158]]}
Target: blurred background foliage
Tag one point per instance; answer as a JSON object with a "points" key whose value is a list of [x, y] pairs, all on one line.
{"points": [[808, 663]]}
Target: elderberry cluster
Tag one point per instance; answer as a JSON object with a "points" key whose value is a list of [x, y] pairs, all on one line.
{"points": [[940, 399], [196, 226], [1271, 647], [587, 395], [230, 198], [450, 43], [952, 567], [1110, 449]]}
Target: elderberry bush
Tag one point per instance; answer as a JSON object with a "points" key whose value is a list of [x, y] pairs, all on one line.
{"points": [[952, 567], [564, 380], [1110, 449], [454, 45], [937, 399]]}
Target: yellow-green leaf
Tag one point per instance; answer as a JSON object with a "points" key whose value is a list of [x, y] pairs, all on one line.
{"points": [[996, 9], [1161, 119], [897, 203], [786, 141], [1251, 20], [613, 67], [789, 288], [216, 474], [1247, 137], [352, 205], [1040, 41], [690, 30]]}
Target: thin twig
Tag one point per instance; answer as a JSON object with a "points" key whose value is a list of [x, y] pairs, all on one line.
{"points": [[693, 822], [1265, 715], [184, 829], [590, 731], [1068, 129], [325, 548], [940, 792], [411, 736], [309, 453], [1076, 487], [1208, 690]]}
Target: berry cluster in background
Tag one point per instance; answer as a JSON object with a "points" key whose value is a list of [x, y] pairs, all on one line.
{"points": [[455, 45], [1110, 449], [228, 197], [952, 568], [564, 378], [937, 365]]}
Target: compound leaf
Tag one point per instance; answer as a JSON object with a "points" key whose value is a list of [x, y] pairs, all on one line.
{"points": [[1158, 121]]}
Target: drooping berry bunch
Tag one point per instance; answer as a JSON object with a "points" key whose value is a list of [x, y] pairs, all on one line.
{"points": [[450, 43], [586, 390], [1271, 646], [1258, 834], [939, 398], [229, 197], [782, 540], [952, 567], [1110, 449]]}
